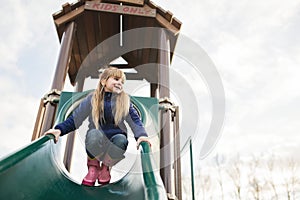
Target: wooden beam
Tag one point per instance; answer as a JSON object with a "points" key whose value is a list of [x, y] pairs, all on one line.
{"points": [[152, 4], [70, 16], [166, 24], [169, 16], [73, 6], [66, 8], [166, 16], [176, 23]]}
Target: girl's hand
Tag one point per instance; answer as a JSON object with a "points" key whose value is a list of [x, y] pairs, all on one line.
{"points": [[55, 132], [142, 139]]}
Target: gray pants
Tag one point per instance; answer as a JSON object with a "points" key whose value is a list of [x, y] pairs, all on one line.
{"points": [[110, 151]]}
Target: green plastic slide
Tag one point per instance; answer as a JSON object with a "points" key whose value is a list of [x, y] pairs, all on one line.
{"points": [[36, 172]]}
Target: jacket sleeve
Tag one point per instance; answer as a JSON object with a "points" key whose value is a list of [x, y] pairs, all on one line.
{"points": [[135, 123], [75, 120]]}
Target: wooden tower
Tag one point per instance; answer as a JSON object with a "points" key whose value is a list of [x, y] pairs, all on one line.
{"points": [[146, 35]]}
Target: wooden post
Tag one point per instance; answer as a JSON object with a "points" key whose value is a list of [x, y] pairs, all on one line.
{"points": [[71, 136], [178, 184], [38, 121], [60, 75], [165, 135], [153, 89]]}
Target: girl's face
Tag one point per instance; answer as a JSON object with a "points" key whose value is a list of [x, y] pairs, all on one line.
{"points": [[113, 84]]}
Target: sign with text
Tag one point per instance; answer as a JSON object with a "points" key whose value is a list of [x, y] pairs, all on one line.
{"points": [[121, 9]]}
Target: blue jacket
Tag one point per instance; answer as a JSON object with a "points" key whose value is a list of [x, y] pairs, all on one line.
{"points": [[109, 128]]}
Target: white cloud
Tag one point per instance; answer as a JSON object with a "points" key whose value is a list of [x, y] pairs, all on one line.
{"points": [[14, 32], [21, 30], [16, 121], [251, 43]]}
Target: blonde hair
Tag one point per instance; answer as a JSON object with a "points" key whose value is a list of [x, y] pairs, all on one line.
{"points": [[121, 108]]}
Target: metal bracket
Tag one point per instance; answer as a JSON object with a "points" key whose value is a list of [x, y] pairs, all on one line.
{"points": [[52, 96], [166, 104], [171, 196]]}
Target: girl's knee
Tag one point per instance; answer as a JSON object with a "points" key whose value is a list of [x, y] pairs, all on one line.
{"points": [[94, 143], [94, 137], [120, 141]]}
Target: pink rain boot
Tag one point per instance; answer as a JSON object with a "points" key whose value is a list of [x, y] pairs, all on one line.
{"points": [[104, 174], [92, 175]]}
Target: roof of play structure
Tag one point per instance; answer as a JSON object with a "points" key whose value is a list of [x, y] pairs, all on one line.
{"points": [[98, 20]]}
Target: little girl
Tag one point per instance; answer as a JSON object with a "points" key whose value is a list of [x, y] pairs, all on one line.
{"points": [[106, 140]]}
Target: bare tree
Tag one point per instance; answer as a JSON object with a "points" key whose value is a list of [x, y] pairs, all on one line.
{"points": [[186, 187], [205, 184], [290, 179], [219, 160], [270, 176], [235, 172], [256, 179], [256, 185]]}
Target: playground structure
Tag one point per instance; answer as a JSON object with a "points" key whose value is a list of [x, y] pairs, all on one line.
{"points": [[92, 35]]}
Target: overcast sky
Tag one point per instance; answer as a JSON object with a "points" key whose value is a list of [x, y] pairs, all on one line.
{"points": [[254, 45]]}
